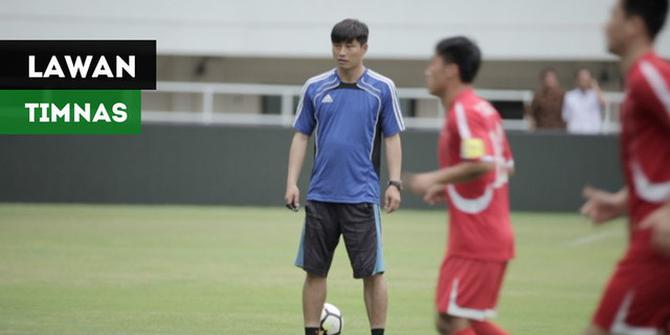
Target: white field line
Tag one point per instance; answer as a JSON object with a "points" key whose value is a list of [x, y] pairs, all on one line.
{"points": [[588, 239]]}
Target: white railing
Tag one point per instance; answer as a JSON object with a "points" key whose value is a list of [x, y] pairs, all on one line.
{"points": [[207, 91], [612, 109]]}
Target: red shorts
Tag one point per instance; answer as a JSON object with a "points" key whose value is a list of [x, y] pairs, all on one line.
{"points": [[469, 288], [636, 300]]}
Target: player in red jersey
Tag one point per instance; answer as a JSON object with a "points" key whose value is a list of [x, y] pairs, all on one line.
{"points": [[475, 160], [637, 297]]}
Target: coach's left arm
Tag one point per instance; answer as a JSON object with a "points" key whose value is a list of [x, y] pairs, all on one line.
{"points": [[394, 161]]}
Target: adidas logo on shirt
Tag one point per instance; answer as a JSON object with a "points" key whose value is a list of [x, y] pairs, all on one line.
{"points": [[327, 99]]}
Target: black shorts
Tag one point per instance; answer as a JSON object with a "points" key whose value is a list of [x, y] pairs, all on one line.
{"points": [[359, 224]]}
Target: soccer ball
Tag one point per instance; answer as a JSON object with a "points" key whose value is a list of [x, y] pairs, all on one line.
{"points": [[331, 320]]}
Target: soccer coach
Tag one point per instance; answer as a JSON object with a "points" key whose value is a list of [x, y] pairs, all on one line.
{"points": [[348, 109]]}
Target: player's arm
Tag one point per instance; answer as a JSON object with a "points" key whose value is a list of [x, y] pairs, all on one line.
{"points": [[659, 222], [431, 185], [296, 158], [420, 183], [394, 163], [461, 172], [602, 206]]}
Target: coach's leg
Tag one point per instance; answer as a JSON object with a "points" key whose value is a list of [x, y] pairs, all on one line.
{"points": [[361, 229], [315, 255], [375, 294], [313, 298]]}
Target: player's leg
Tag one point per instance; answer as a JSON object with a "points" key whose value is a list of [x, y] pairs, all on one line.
{"points": [[636, 300], [468, 289], [594, 330], [487, 328], [451, 325], [612, 297], [317, 246], [361, 228]]}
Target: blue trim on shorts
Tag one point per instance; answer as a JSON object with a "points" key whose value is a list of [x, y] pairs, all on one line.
{"points": [[379, 264], [300, 258]]}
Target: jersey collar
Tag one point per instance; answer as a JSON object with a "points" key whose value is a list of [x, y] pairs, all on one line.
{"points": [[462, 95], [364, 75], [648, 56]]}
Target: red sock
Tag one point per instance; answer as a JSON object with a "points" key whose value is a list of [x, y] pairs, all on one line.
{"points": [[487, 328], [466, 331]]}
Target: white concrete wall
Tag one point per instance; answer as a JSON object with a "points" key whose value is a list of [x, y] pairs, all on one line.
{"points": [[506, 29]]}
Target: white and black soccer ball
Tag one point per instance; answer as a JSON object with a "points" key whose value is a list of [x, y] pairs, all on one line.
{"points": [[331, 320]]}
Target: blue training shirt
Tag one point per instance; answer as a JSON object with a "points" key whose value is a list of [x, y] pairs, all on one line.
{"points": [[348, 121]]}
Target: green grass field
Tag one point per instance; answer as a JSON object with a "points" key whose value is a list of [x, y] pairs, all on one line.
{"points": [[77, 269]]}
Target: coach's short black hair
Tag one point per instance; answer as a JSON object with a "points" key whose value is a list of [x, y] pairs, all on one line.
{"points": [[464, 53], [349, 30], [652, 12]]}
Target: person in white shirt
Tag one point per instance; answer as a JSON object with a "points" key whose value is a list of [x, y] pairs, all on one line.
{"points": [[583, 106]]}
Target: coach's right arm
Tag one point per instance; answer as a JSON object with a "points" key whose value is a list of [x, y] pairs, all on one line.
{"points": [[304, 125], [296, 158]]}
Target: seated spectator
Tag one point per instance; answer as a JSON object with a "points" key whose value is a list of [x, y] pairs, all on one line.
{"points": [[545, 109], [583, 106]]}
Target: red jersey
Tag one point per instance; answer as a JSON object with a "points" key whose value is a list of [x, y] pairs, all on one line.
{"points": [[645, 146], [479, 223]]}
